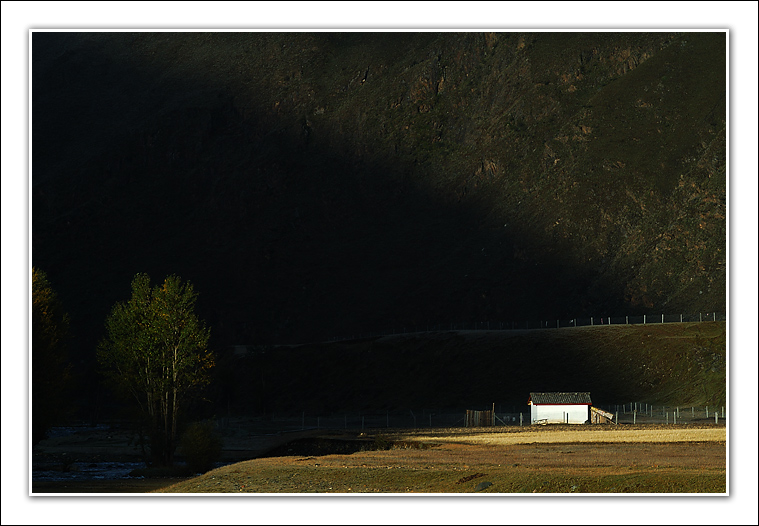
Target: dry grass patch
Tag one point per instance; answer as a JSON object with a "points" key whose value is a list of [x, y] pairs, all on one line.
{"points": [[575, 460], [561, 435]]}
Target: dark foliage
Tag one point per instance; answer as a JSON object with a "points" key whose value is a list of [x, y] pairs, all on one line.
{"points": [[51, 371], [201, 446]]}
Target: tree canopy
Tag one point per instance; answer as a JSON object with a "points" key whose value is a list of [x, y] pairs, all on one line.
{"points": [[156, 351], [51, 372]]}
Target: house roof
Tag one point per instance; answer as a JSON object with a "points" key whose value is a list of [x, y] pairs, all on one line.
{"points": [[560, 398]]}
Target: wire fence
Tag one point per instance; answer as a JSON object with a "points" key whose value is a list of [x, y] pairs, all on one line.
{"points": [[541, 324], [409, 419], [644, 413], [628, 413]]}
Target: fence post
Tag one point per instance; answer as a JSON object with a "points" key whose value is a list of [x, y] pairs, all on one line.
{"points": [[662, 318], [634, 415], [681, 318], [644, 319], [707, 411], [520, 419], [627, 320]]}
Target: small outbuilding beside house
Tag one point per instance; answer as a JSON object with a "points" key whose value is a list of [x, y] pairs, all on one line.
{"points": [[559, 408], [599, 416]]}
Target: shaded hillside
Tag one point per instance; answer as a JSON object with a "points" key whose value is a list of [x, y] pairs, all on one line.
{"points": [[316, 184], [676, 364]]}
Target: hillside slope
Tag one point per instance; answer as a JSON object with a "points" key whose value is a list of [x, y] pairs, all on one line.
{"points": [[318, 184], [674, 364]]}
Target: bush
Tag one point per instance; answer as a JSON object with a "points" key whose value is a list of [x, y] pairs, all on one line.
{"points": [[201, 446], [382, 443]]}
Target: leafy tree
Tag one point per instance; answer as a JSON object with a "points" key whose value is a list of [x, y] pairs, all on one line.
{"points": [[156, 350], [51, 372]]}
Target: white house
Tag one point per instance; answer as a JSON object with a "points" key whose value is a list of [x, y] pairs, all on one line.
{"points": [[559, 408]]}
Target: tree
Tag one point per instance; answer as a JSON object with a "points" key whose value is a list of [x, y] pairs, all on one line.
{"points": [[156, 351], [51, 372]]}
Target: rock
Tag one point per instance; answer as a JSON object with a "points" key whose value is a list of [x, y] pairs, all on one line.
{"points": [[482, 485]]}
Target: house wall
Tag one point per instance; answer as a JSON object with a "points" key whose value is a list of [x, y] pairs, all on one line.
{"points": [[557, 414]]}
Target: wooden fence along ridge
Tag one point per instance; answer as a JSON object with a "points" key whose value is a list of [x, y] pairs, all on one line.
{"points": [[480, 418]]}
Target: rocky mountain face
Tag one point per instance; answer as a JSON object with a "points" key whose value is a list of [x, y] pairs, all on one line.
{"points": [[313, 185]]}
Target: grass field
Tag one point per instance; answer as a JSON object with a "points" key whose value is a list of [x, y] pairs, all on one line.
{"points": [[570, 435], [551, 460]]}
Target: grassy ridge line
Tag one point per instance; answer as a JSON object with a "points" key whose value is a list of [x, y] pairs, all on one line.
{"points": [[669, 364]]}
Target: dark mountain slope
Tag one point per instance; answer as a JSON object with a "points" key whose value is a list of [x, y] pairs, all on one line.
{"points": [[315, 184], [671, 363]]}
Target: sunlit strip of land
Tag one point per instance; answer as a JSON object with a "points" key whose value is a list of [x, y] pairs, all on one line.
{"points": [[590, 436]]}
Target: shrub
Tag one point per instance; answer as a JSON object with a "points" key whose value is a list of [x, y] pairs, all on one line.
{"points": [[382, 443], [201, 446]]}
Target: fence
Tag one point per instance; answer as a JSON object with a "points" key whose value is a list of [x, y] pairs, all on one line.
{"points": [[628, 413], [542, 324], [644, 413], [479, 418], [408, 419]]}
